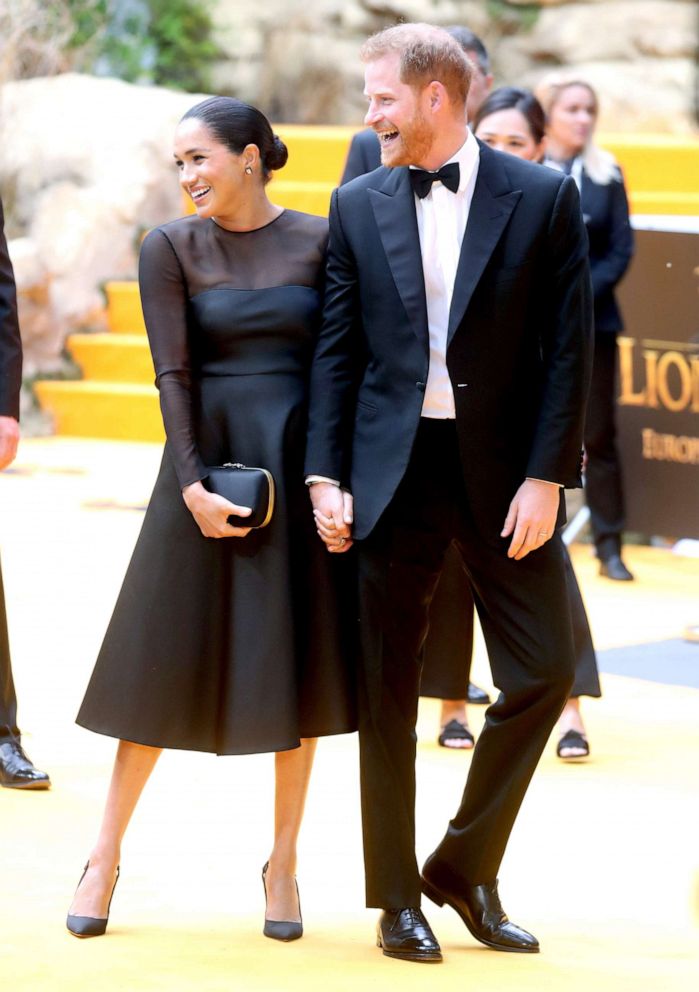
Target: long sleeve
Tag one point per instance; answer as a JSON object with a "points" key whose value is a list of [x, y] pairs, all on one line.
{"points": [[608, 266], [165, 303], [566, 348], [335, 371], [10, 340]]}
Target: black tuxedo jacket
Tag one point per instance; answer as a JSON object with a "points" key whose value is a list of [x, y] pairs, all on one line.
{"points": [[364, 155], [519, 342], [606, 215], [10, 341]]}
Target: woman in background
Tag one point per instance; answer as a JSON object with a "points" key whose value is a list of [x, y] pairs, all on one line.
{"points": [[571, 108], [512, 120]]}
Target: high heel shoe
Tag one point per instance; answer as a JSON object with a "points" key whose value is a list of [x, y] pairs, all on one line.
{"points": [[281, 929], [90, 926]]}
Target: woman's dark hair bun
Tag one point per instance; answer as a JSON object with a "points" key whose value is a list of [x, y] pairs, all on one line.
{"points": [[237, 124], [278, 154]]}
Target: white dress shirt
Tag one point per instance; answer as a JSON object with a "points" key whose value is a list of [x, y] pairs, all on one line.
{"points": [[441, 222]]}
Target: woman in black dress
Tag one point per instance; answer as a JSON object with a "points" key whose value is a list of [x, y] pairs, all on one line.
{"points": [[225, 639], [571, 115]]}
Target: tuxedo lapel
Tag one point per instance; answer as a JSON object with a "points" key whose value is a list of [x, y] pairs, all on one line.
{"points": [[393, 205], [493, 202]]}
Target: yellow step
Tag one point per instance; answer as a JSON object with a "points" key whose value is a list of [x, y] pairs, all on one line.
{"points": [[113, 357], [124, 307], [656, 162], [316, 154], [676, 204], [119, 411], [310, 198]]}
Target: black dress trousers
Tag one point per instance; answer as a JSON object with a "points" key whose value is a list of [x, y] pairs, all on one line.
{"points": [[8, 698], [603, 482], [447, 654], [448, 650], [523, 609]]}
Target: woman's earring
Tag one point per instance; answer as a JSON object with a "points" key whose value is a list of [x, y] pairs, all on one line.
{"points": [[248, 170]]}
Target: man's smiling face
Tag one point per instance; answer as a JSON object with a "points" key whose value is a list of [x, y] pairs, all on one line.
{"points": [[396, 113]]}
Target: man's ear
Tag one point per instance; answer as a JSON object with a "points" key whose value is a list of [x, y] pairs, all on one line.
{"points": [[436, 95]]}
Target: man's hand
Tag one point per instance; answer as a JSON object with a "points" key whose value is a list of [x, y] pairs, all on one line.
{"points": [[333, 512], [531, 518], [9, 439]]}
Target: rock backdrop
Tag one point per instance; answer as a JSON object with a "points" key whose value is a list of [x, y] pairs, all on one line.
{"points": [[85, 163], [85, 169], [298, 58]]}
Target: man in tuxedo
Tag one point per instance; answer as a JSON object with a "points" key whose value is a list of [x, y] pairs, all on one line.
{"points": [[364, 153], [16, 770], [448, 648], [447, 397]]}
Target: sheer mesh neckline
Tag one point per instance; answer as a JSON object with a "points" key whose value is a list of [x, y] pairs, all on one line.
{"points": [[253, 230]]}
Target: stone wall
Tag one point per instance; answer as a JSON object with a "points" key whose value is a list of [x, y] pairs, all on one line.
{"points": [[86, 168], [297, 59]]}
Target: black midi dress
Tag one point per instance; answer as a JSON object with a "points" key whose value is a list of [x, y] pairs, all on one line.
{"points": [[232, 645]]}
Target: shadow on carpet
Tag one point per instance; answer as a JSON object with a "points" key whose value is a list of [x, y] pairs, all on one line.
{"points": [[674, 662]]}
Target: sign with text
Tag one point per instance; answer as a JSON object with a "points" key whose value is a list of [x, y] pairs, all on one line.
{"points": [[658, 411]]}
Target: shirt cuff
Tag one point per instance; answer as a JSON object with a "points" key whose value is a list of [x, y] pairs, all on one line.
{"points": [[312, 479], [546, 481]]}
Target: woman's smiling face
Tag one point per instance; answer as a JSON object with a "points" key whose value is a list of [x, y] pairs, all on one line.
{"points": [[210, 173]]}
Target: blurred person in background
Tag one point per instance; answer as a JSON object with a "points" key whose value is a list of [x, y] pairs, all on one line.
{"points": [[16, 770], [512, 120], [571, 108]]}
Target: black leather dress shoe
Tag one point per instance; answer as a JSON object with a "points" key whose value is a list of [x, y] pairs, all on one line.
{"points": [[614, 568], [17, 771], [480, 909], [406, 934], [477, 696]]}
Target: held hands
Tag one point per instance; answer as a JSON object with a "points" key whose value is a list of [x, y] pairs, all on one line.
{"points": [[333, 512], [211, 512], [9, 439], [531, 518]]}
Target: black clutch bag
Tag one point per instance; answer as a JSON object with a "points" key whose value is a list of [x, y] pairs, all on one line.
{"points": [[245, 486]]}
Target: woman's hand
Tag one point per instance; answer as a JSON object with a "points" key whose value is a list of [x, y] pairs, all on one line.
{"points": [[211, 512]]}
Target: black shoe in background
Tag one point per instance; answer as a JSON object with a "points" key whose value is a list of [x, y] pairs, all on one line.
{"points": [[477, 696], [614, 568]]}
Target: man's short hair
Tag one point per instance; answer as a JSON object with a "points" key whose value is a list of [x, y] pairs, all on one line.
{"points": [[472, 45], [426, 53]]}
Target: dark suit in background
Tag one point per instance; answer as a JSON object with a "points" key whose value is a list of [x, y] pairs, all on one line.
{"points": [[16, 771], [606, 213], [364, 155], [518, 359]]}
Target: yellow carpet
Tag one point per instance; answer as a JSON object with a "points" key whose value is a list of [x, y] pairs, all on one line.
{"points": [[603, 864]]}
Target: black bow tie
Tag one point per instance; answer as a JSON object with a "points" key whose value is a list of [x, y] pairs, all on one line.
{"points": [[422, 181]]}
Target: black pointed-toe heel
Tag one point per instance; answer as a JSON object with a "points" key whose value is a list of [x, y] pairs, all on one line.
{"points": [[90, 926], [281, 929]]}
